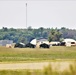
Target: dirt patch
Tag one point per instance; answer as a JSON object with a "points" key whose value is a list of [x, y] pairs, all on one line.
{"points": [[60, 66]]}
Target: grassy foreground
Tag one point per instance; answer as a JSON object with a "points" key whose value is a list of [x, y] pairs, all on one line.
{"points": [[37, 54], [46, 71]]}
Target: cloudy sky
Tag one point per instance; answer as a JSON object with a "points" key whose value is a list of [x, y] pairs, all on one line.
{"points": [[40, 13]]}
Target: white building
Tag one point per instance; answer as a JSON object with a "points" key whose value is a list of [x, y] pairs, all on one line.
{"points": [[41, 41], [54, 43], [69, 42], [4, 42]]}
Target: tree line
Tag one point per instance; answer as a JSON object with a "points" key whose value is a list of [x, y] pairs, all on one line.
{"points": [[26, 35]]}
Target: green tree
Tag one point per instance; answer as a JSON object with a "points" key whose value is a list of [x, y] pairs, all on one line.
{"points": [[22, 39], [5, 29], [41, 29], [54, 35]]}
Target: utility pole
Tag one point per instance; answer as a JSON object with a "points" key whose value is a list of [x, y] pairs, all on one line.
{"points": [[26, 25], [26, 15]]}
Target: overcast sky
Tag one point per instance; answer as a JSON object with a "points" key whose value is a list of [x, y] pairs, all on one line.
{"points": [[44, 13]]}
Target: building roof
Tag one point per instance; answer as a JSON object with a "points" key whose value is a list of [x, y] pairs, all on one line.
{"points": [[42, 40], [69, 40]]}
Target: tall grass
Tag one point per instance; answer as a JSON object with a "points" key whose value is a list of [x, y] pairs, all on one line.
{"points": [[37, 54]]}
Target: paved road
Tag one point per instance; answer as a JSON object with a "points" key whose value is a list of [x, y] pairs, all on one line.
{"points": [[55, 65]]}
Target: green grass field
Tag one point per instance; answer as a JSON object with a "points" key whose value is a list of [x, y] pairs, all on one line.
{"points": [[37, 54]]}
